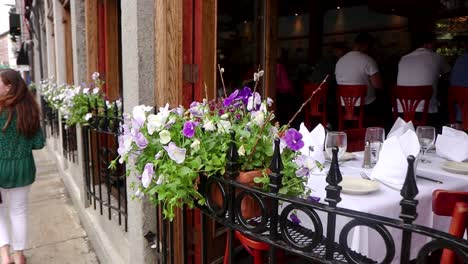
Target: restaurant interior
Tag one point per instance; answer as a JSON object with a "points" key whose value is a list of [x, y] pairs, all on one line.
{"points": [[302, 34]]}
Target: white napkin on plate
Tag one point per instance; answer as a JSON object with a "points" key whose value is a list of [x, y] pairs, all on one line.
{"points": [[392, 165], [452, 144], [313, 142], [400, 127]]}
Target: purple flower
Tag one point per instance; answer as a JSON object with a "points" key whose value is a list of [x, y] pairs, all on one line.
{"points": [[189, 129], [293, 139], [244, 94], [294, 219], [140, 140], [147, 175], [313, 199], [195, 109], [228, 101]]}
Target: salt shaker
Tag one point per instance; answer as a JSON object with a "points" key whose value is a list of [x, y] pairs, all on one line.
{"points": [[366, 163]]}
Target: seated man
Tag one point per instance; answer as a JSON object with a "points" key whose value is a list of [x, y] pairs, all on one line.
{"points": [[421, 67], [358, 68]]}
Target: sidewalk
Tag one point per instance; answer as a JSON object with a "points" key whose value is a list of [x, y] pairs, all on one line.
{"points": [[55, 232]]}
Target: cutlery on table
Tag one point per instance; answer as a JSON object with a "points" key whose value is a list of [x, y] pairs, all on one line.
{"points": [[429, 179]]}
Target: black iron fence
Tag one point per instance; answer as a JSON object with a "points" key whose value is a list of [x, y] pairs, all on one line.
{"points": [[69, 147], [50, 117], [274, 226], [106, 188]]}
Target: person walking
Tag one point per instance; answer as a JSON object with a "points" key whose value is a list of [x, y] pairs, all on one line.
{"points": [[20, 133]]}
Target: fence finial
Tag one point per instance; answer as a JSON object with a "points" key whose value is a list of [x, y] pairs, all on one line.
{"points": [[333, 178], [232, 164]]}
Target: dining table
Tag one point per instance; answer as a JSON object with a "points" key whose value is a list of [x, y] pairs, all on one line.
{"points": [[385, 201]]}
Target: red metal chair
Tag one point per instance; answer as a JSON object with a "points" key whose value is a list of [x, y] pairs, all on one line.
{"points": [[409, 98], [347, 96], [255, 248], [454, 204], [458, 95], [355, 139], [317, 107]]}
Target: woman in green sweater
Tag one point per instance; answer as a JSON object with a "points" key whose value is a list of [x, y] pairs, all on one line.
{"points": [[20, 133]]}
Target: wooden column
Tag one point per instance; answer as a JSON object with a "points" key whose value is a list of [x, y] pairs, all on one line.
{"points": [[271, 47], [112, 49], [168, 52], [91, 7], [208, 39]]}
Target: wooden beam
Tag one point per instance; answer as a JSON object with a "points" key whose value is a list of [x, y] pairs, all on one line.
{"points": [[68, 46], [91, 7], [168, 52], [209, 61], [112, 50], [271, 48]]}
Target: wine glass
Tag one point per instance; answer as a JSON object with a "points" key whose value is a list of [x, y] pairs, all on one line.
{"points": [[375, 136], [426, 136], [336, 139]]}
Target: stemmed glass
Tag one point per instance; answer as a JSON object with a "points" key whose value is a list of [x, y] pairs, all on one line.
{"points": [[375, 136], [426, 136], [336, 139]]}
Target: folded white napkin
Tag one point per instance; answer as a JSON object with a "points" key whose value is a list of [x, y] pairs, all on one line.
{"points": [[313, 142], [400, 127], [392, 165], [452, 144]]}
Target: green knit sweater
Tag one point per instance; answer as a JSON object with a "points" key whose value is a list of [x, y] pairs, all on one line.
{"points": [[17, 166]]}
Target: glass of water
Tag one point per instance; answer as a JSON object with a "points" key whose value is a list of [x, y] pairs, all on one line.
{"points": [[426, 136], [375, 136], [336, 139]]}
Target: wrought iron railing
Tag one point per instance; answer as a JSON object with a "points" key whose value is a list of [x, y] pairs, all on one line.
{"points": [[69, 147], [106, 188], [318, 244], [50, 116]]}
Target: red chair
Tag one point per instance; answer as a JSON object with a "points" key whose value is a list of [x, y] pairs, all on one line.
{"points": [[347, 96], [458, 95], [255, 248], [454, 204], [409, 98], [355, 139], [317, 107]]}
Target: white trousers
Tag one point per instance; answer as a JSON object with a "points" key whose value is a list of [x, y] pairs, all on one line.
{"points": [[15, 203]]}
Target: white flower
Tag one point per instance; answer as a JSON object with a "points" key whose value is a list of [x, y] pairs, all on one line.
{"points": [[269, 101], [209, 126], [253, 101], [96, 90], [221, 70], [95, 76], [157, 122], [224, 126], [256, 77], [164, 137], [88, 116], [139, 194], [258, 118], [175, 153], [139, 115], [241, 151], [260, 73], [224, 116], [77, 90], [195, 146]]}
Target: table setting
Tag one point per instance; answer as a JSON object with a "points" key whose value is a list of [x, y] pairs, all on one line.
{"points": [[372, 179]]}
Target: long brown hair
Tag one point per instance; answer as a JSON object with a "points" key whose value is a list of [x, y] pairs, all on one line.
{"points": [[19, 100]]}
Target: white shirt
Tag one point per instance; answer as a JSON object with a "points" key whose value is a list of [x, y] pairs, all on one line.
{"points": [[355, 68], [422, 67]]}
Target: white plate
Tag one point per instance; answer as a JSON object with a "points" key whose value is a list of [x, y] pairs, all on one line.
{"points": [[346, 156], [353, 185], [455, 167]]}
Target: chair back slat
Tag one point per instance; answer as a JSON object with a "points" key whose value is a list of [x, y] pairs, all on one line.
{"points": [[348, 96], [458, 95], [454, 204], [409, 98], [317, 107]]}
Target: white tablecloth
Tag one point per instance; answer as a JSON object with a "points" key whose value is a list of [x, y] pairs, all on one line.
{"points": [[386, 202]]}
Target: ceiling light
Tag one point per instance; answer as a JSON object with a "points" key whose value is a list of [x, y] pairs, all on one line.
{"points": [[338, 7], [295, 14]]}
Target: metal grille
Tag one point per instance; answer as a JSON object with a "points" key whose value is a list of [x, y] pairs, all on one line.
{"points": [[69, 142], [106, 188]]}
